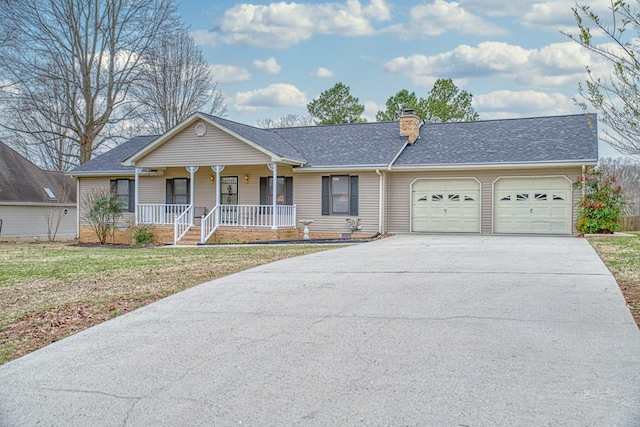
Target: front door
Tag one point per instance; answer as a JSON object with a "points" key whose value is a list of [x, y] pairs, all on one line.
{"points": [[229, 196]]}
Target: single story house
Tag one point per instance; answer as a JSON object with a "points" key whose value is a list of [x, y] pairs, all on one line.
{"points": [[35, 204], [212, 179]]}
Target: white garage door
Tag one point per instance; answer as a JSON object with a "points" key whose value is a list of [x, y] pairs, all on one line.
{"points": [[532, 205], [446, 205]]}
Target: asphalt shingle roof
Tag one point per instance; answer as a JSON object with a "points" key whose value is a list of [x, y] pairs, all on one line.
{"points": [[111, 161], [528, 140], [358, 144], [570, 138], [23, 182], [266, 138]]}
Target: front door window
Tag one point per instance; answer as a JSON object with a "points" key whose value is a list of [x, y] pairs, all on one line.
{"points": [[229, 190]]}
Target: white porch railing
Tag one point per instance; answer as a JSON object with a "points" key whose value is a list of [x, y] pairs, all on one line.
{"points": [[180, 216], [246, 216], [159, 214], [182, 225]]}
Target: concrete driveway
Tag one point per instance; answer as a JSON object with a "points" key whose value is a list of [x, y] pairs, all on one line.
{"points": [[409, 330]]}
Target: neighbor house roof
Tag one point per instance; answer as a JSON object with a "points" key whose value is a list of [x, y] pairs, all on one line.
{"points": [[22, 182], [559, 139]]}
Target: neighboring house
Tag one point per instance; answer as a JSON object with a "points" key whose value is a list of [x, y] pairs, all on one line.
{"points": [[34, 203], [485, 177]]}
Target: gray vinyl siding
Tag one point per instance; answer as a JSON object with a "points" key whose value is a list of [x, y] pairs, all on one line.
{"points": [[21, 221], [307, 196], [152, 188], [398, 217], [214, 148], [87, 185]]}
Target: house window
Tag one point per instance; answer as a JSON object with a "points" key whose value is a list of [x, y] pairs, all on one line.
{"points": [[340, 195], [229, 190], [49, 193], [284, 190], [177, 191], [124, 190]]}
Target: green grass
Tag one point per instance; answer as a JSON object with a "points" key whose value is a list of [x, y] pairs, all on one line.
{"points": [[622, 256], [48, 291]]}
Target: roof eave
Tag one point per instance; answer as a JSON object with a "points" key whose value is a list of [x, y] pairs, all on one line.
{"points": [[488, 166]]}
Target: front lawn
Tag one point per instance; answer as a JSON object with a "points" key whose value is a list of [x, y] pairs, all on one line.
{"points": [[49, 291], [622, 256]]}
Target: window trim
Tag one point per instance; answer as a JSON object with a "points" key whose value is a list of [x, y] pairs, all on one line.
{"points": [[131, 192], [352, 196], [170, 194], [266, 192]]}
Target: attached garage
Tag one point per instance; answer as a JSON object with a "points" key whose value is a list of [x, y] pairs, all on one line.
{"points": [[532, 205], [446, 205]]}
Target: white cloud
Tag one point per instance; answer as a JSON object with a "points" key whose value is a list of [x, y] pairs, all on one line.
{"points": [[371, 108], [284, 24], [270, 65], [275, 95], [205, 38], [322, 73], [508, 104], [557, 15], [224, 73], [550, 66], [434, 19]]}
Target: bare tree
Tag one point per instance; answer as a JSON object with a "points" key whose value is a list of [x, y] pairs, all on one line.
{"points": [[175, 82], [627, 174], [288, 121], [71, 64], [615, 97], [53, 211]]}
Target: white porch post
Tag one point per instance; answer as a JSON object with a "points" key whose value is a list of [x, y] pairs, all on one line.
{"points": [[274, 202], [192, 170], [136, 199], [217, 169]]}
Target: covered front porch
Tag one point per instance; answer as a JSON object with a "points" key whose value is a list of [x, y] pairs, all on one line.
{"points": [[208, 198]]}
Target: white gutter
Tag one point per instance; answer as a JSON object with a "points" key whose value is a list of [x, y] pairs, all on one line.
{"points": [[487, 166], [380, 202]]}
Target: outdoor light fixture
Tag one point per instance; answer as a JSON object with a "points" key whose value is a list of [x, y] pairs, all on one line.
{"points": [[212, 178], [246, 179]]}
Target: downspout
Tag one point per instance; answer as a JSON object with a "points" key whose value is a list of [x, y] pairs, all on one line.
{"points": [[380, 202], [584, 174], [136, 193]]}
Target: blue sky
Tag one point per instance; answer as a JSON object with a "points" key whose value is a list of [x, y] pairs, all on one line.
{"points": [[272, 58]]}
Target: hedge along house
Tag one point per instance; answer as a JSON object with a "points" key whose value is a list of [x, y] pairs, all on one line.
{"points": [[212, 179]]}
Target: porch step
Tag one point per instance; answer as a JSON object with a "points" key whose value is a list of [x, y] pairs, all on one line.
{"points": [[192, 237]]}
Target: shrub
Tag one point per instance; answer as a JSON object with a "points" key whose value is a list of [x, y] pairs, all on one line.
{"points": [[601, 204], [102, 212], [142, 235]]}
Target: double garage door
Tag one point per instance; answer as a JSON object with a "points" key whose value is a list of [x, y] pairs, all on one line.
{"points": [[540, 205]]}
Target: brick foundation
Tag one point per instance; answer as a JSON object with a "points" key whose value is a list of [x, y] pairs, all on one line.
{"points": [[164, 235], [240, 235]]}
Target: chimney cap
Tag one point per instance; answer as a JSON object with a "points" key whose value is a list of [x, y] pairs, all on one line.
{"points": [[408, 111]]}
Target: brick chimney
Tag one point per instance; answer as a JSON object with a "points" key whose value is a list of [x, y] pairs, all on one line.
{"points": [[410, 125]]}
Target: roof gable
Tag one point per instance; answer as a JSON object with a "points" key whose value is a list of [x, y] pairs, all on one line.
{"points": [[265, 141], [23, 182]]}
